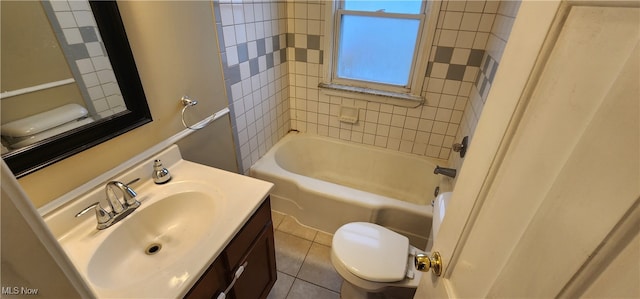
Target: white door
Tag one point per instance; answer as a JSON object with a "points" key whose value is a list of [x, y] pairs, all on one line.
{"points": [[547, 203]]}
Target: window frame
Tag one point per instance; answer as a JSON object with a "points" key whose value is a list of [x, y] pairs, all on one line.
{"points": [[407, 96]]}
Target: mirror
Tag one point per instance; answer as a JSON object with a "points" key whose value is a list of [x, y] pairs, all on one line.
{"points": [[120, 105]]}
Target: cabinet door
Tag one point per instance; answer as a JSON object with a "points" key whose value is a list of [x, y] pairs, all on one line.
{"points": [[260, 273], [211, 283]]}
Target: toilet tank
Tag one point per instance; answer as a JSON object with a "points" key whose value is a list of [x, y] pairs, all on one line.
{"points": [[439, 208], [43, 121]]}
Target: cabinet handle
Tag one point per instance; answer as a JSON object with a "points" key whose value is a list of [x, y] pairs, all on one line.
{"points": [[237, 275]]}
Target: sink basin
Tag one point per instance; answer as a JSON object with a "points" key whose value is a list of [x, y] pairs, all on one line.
{"points": [[156, 238], [162, 248]]}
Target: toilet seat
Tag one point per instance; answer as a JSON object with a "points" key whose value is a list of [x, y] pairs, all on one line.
{"points": [[371, 252]]}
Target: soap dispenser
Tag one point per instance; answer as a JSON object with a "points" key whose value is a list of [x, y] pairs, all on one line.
{"points": [[160, 174]]}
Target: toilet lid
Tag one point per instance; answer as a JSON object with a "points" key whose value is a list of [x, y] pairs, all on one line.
{"points": [[371, 252]]}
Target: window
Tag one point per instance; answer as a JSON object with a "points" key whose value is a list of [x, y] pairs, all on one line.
{"points": [[377, 50]]}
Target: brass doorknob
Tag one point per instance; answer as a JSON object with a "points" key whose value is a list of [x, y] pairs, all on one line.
{"points": [[423, 263]]}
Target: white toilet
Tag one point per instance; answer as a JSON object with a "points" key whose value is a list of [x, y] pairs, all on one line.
{"points": [[376, 262]]}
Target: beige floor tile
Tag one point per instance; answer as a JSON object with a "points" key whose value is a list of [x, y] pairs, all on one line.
{"points": [[317, 268], [323, 238], [276, 218], [290, 252], [304, 290], [291, 226], [281, 287]]}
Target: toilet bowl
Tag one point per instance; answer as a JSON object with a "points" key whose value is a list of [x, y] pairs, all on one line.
{"points": [[376, 262]]}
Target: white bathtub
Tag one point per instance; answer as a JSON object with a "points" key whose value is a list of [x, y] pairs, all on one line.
{"points": [[325, 183]]}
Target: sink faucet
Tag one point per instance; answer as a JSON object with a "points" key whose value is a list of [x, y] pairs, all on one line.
{"points": [[450, 172], [118, 209]]}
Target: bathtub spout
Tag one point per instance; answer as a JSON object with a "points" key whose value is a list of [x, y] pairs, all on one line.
{"points": [[450, 172]]}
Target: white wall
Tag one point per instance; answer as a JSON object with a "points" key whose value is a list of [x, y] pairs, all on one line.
{"points": [[497, 41], [32, 261], [176, 52]]}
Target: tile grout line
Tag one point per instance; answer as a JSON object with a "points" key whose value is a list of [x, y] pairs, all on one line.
{"points": [[304, 260], [315, 284]]}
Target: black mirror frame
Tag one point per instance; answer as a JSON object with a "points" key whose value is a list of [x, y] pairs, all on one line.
{"points": [[37, 156]]}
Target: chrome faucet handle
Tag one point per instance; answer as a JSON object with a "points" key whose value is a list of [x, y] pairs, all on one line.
{"points": [[132, 182], [130, 197], [87, 209], [127, 193], [112, 197], [102, 216]]}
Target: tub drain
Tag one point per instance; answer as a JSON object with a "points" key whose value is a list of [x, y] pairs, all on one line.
{"points": [[153, 248]]}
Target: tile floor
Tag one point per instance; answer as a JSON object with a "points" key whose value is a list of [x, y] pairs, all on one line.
{"points": [[303, 260]]}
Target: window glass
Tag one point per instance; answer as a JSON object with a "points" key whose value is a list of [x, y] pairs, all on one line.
{"points": [[402, 6], [376, 49]]}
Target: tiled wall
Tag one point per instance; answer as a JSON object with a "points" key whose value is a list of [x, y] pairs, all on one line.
{"points": [[253, 43], [497, 40], [272, 54], [459, 45], [79, 38]]}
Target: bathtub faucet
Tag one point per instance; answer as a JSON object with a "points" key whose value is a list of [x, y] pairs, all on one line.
{"points": [[450, 172]]}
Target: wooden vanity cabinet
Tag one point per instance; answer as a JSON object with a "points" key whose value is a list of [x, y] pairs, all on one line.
{"points": [[212, 282], [253, 245]]}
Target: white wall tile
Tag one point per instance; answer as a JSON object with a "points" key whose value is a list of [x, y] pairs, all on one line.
{"points": [[475, 6], [60, 5], [232, 55], [90, 79], [238, 13], [406, 146], [105, 76], [101, 63], [486, 22], [452, 20], [241, 33], [94, 49], [460, 56], [492, 6], [66, 19], [72, 35], [300, 10], [314, 11], [465, 39], [248, 13], [95, 92], [79, 5], [84, 18], [470, 21], [257, 12], [456, 5], [110, 89], [229, 35]]}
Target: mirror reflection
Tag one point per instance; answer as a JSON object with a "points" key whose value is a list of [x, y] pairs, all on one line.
{"points": [[56, 75]]}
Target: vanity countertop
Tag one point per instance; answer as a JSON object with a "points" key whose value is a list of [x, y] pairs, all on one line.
{"points": [[235, 198]]}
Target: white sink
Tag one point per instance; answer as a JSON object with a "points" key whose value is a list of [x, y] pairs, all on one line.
{"points": [[164, 246], [154, 240]]}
